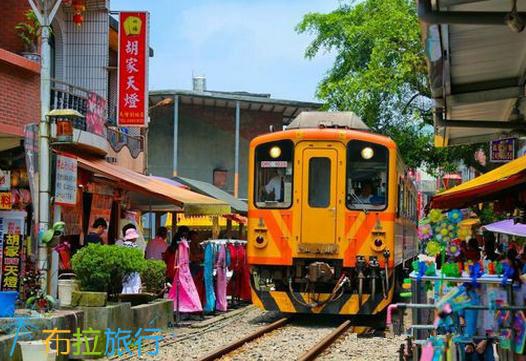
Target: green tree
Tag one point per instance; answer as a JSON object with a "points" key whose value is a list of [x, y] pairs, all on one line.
{"points": [[380, 73]]}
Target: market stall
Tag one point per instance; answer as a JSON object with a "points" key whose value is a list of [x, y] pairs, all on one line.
{"points": [[467, 289]]}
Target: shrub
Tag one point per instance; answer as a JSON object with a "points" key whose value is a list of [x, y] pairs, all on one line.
{"points": [[102, 268], [153, 277]]}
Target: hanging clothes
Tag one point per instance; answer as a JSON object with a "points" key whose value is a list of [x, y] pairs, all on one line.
{"points": [[244, 291], [221, 268], [209, 278], [183, 291], [132, 282], [234, 285]]}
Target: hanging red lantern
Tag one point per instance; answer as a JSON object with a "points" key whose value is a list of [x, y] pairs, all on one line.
{"points": [[79, 6], [67, 3]]}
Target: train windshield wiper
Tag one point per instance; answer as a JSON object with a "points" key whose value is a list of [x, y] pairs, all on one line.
{"points": [[359, 201]]}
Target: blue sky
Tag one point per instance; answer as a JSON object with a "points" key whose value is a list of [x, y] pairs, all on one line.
{"points": [[247, 45]]}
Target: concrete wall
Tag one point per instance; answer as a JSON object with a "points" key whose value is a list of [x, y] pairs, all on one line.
{"points": [[206, 141], [160, 141]]}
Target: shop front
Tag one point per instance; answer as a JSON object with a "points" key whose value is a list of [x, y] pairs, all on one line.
{"points": [[469, 279]]}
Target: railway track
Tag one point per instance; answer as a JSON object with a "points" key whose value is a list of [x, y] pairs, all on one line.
{"points": [[311, 354]]}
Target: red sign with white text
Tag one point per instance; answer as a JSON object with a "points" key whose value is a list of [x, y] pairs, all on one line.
{"points": [[132, 109]]}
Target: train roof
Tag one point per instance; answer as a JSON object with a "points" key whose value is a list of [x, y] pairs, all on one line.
{"points": [[342, 120]]}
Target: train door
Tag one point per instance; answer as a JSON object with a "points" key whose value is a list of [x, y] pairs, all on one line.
{"points": [[319, 199]]}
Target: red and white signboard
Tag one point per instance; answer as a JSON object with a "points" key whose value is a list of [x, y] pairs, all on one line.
{"points": [[66, 181], [132, 108]]}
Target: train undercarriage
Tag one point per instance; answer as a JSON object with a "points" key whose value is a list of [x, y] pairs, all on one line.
{"points": [[325, 286]]}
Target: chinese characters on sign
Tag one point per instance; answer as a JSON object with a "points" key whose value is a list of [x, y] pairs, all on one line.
{"points": [[132, 102], [5, 180], [96, 114], [6, 200], [502, 150], [11, 262], [66, 181], [104, 342]]}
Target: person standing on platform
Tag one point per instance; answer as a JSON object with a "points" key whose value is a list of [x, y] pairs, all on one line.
{"points": [[157, 246]]}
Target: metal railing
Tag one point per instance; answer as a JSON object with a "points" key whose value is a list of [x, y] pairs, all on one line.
{"points": [[67, 96]]}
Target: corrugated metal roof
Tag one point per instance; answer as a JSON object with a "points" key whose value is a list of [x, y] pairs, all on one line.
{"points": [[212, 191], [482, 74], [247, 101]]}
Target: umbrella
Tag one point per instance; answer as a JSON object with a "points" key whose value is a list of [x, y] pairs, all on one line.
{"points": [[507, 227]]}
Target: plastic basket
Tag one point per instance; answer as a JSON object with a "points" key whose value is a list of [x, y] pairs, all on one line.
{"points": [[7, 303]]}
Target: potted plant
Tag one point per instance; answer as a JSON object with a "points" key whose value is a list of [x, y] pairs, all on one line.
{"points": [[41, 302], [100, 270], [154, 276], [29, 33], [153, 279]]}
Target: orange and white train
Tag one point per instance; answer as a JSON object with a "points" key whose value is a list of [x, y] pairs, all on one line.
{"points": [[332, 217]]}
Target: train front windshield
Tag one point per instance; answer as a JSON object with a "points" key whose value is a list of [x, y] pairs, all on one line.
{"points": [[366, 175], [273, 188]]}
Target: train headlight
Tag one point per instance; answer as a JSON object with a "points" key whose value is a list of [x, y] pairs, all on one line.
{"points": [[367, 153], [275, 152]]}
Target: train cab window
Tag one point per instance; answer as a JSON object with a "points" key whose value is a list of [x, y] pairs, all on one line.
{"points": [[319, 182], [273, 178], [366, 175]]}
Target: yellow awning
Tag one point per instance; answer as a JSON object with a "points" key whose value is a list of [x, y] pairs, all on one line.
{"points": [[483, 188], [470, 222]]}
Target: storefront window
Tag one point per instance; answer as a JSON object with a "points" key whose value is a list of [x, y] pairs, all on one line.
{"points": [[273, 178], [366, 175]]}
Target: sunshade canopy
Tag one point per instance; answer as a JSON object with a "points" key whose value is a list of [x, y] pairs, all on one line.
{"points": [[192, 203], [486, 187], [507, 227], [212, 191]]}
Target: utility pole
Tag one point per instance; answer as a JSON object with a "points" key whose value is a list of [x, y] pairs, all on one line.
{"points": [[45, 11]]}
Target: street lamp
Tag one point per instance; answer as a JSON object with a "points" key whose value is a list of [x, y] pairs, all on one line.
{"points": [[63, 119]]}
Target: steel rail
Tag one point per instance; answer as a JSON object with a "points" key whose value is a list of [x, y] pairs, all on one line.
{"points": [[325, 342], [237, 344]]}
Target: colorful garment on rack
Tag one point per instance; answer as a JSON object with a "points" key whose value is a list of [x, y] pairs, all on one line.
{"points": [[234, 285], [221, 264], [244, 292], [210, 298], [183, 291]]}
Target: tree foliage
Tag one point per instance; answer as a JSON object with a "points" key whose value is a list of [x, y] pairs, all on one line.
{"points": [[380, 73]]}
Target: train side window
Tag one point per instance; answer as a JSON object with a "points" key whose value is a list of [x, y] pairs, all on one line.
{"points": [[319, 182], [367, 175], [273, 178]]}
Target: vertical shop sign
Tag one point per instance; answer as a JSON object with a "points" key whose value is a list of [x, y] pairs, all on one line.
{"points": [[11, 262], [96, 114], [101, 208], [73, 218], [132, 97], [502, 150], [5, 180], [6, 200], [66, 181], [11, 222]]}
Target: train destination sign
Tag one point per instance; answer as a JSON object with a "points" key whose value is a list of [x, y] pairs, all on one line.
{"points": [[274, 164]]}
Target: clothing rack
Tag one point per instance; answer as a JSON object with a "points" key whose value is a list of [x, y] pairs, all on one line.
{"points": [[223, 241]]}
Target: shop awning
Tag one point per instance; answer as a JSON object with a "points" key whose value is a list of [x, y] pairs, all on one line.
{"points": [[486, 187], [192, 203], [507, 227], [212, 191]]}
